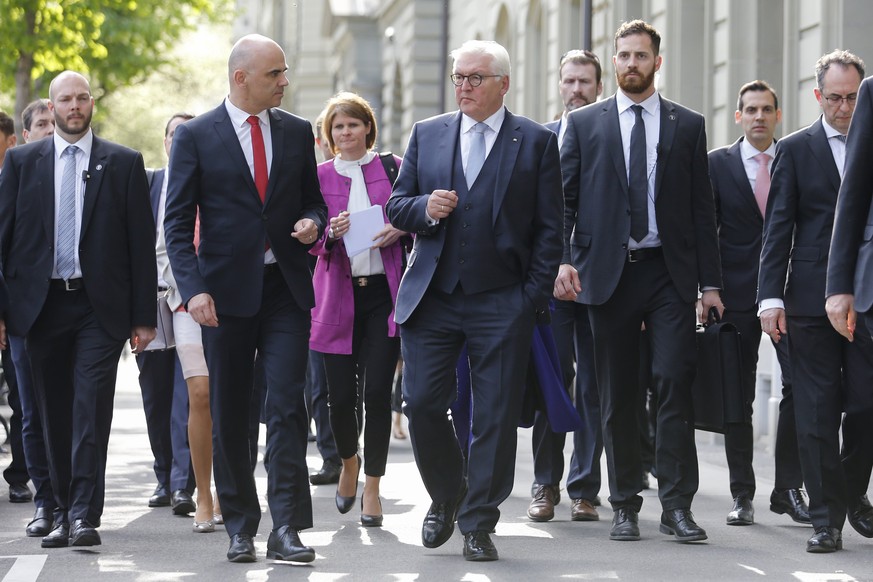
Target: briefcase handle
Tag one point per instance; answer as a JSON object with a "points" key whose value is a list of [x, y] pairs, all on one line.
{"points": [[712, 318]]}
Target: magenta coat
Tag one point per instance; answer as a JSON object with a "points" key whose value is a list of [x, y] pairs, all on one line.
{"points": [[334, 313]]}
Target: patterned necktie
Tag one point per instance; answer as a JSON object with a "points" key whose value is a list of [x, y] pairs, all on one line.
{"points": [[762, 182], [637, 183], [476, 157], [259, 154], [66, 251]]}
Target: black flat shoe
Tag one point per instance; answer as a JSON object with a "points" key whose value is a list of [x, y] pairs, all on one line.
{"points": [[371, 520], [680, 523], [182, 503], [20, 493], [242, 548], [345, 504], [329, 473], [41, 524], [84, 534], [825, 540], [59, 537], [791, 502], [625, 525], [160, 498], [284, 544], [439, 523], [742, 513], [478, 547]]}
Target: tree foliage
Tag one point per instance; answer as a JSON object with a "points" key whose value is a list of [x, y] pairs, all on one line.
{"points": [[113, 42]]}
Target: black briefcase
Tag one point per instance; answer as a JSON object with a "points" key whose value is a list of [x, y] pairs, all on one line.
{"points": [[717, 392]]}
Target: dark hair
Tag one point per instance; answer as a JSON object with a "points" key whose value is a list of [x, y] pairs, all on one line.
{"points": [[33, 108], [181, 115], [836, 57], [757, 85], [353, 105], [638, 27], [7, 126], [581, 57]]}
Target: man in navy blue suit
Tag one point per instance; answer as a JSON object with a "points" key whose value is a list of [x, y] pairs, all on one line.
{"points": [[164, 392], [579, 84], [249, 169], [481, 188]]}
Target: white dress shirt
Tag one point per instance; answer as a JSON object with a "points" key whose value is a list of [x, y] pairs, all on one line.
{"points": [[82, 157], [750, 164], [369, 263]]}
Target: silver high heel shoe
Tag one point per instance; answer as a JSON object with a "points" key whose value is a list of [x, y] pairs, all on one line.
{"points": [[204, 526]]}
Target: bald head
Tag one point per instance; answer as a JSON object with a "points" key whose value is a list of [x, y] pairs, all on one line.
{"points": [[65, 77], [256, 71], [71, 104]]}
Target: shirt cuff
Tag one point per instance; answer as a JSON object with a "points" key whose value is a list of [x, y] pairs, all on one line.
{"points": [[430, 221], [770, 304]]}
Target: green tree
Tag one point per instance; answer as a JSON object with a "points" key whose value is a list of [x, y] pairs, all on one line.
{"points": [[114, 42]]}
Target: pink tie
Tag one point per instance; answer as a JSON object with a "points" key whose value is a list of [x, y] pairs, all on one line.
{"points": [[762, 182]]}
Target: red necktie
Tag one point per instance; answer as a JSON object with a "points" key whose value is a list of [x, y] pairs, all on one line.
{"points": [[762, 182], [260, 157]]}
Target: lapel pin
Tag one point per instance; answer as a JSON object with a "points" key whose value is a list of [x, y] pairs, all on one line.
{"points": [[672, 117], [99, 167]]}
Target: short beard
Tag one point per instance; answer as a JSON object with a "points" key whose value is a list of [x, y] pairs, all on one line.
{"points": [[634, 86], [62, 125]]}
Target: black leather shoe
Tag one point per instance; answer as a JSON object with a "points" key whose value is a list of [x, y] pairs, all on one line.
{"points": [[83, 534], [625, 525], [328, 474], [825, 540], [160, 498], [59, 537], [182, 503], [439, 523], [345, 504], [680, 523], [369, 520], [242, 548], [790, 501], [743, 513], [41, 524], [284, 544], [20, 493], [861, 517], [478, 547]]}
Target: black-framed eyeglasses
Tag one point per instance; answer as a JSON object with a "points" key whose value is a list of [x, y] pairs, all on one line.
{"points": [[837, 100], [475, 79]]}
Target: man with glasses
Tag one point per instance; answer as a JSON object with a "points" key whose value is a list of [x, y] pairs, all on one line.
{"points": [[579, 84], [830, 374], [481, 188]]}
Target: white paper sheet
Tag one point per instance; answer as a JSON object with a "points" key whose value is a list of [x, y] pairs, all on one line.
{"points": [[363, 226]]}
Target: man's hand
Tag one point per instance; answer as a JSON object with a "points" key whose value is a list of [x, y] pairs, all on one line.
{"points": [[841, 312], [773, 323], [567, 284], [305, 231], [707, 301], [441, 203], [140, 337], [387, 236], [202, 310], [2, 335]]}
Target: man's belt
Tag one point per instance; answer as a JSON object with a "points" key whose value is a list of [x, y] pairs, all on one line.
{"points": [[644, 254]]}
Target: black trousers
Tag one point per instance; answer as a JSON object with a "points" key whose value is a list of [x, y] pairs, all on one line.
{"points": [[16, 472], [375, 365], [279, 332], [645, 294], [74, 364], [832, 376], [497, 327]]}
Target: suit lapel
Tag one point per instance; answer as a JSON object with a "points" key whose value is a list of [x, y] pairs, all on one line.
{"points": [[669, 121], [96, 171], [445, 145], [45, 167], [612, 133], [227, 135], [276, 135], [821, 150], [738, 173], [155, 191], [511, 144]]}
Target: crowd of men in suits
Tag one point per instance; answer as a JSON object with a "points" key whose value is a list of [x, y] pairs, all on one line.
{"points": [[651, 234]]}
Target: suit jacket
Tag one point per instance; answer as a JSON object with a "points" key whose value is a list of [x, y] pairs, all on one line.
{"points": [[156, 184], [850, 269], [740, 226], [800, 213], [597, 208], [4, 297], [116, 244], [526, 214], [209, 172]]}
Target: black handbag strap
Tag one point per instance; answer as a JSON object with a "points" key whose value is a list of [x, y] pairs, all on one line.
{"points": [[390, 165]]}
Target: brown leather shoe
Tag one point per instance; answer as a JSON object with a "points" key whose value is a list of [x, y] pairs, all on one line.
{"points": [[542, 508], [583, 510]]}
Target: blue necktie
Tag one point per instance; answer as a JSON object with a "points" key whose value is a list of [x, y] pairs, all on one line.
{"points": [[476, 157], [638, 183], [66, 252]]}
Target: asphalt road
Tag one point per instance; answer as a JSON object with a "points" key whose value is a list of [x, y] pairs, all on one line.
{"points": [[150, 545]]}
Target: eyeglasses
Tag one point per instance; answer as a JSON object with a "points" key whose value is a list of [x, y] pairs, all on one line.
{"points": [[837, 100], [475, 79]]}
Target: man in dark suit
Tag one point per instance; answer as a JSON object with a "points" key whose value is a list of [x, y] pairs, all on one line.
{"points": [[481, 187], [77, 246], [164, 391], [830, 374], [740, 175], [639, 239], [249, 168], [579, 84]]}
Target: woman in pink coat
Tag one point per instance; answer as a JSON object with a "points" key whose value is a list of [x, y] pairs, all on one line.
{"points": [[353, 319]]}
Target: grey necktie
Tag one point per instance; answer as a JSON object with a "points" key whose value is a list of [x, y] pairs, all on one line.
{"points": [[66, 253], [476, 157], [637, 183]]}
